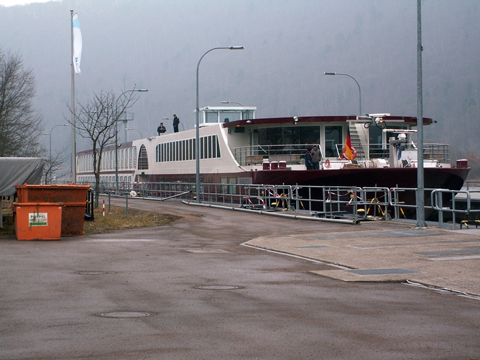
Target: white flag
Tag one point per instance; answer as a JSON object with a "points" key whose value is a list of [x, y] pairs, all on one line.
{"points": [[77, 43]]}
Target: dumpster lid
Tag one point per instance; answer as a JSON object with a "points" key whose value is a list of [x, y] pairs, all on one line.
{"points": [[15, 204]]}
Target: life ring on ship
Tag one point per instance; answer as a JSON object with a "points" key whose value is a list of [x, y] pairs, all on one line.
{"points": [[344, 156], [327, 164]]}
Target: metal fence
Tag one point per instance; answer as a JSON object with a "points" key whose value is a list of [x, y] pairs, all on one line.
{"points": [[444, 208]]}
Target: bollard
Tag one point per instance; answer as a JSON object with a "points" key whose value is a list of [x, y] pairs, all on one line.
{"points": [[126, 204], [103, 207]]}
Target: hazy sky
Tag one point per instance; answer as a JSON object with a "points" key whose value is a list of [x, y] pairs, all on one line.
{"points": [[21, 2]]}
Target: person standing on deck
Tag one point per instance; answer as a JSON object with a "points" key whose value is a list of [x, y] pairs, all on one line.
{"points": [[176, 121], [161, 129], [308, 159], [316, 157]]}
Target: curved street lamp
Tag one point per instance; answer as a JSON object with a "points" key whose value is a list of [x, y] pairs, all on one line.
{"points": [[197, 121], [117, 115], [141, 136], [359, 90], [231, 102]]}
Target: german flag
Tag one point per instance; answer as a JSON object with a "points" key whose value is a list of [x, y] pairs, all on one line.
{"points": [[348, 151]]}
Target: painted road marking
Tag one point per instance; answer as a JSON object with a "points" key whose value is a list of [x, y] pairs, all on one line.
{"points": [[456, 258]]}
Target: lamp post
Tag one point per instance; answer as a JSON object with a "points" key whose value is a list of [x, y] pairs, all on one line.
{"points": [[420, 168], [359, 90], [197, 121], [117, 115], [50, 135], [136, 131]]}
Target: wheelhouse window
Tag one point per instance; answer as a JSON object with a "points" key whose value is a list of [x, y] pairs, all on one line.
{"points": [[211, 117], [228, 116]]}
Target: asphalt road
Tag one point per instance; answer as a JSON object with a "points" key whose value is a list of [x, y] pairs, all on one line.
{"points": [[190, 290]]}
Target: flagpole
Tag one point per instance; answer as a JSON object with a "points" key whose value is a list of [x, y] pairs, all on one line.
{"points": [[74, 149]]}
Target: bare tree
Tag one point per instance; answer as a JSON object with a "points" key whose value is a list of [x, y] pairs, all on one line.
{"points": [[20, 125], [97, 120], [54, 165]]}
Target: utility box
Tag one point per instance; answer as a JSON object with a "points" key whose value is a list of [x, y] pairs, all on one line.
{"points": [[38, 221], [72, 196]]}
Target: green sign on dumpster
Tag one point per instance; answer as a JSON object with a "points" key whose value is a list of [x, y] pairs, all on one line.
{"points": [[37, 219]]}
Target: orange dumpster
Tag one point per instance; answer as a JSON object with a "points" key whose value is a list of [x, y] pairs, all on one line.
{"points": [[52, 193], [73, 218], [38, 221], [73, 196]]}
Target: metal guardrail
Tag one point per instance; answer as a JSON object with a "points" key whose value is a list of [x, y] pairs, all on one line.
{"points": [[453, 198], [472, 184], [445, 208]]}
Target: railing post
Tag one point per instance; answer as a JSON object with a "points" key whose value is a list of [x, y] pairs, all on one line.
{"points": [[297, 201], [453, 210], [438, 201], [393, 202]]}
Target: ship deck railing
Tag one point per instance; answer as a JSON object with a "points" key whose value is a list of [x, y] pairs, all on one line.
{"points": [[445, 208], [294, 154]]}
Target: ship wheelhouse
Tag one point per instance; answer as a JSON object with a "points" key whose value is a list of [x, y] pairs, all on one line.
{"points": [[211, 115]]}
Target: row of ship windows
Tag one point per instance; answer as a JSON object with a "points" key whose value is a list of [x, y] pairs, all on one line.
{"points": [[171, 151], [127, 159], [185, 149]]}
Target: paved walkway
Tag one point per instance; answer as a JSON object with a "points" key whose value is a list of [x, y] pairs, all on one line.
{"points": [[390, 252]]}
